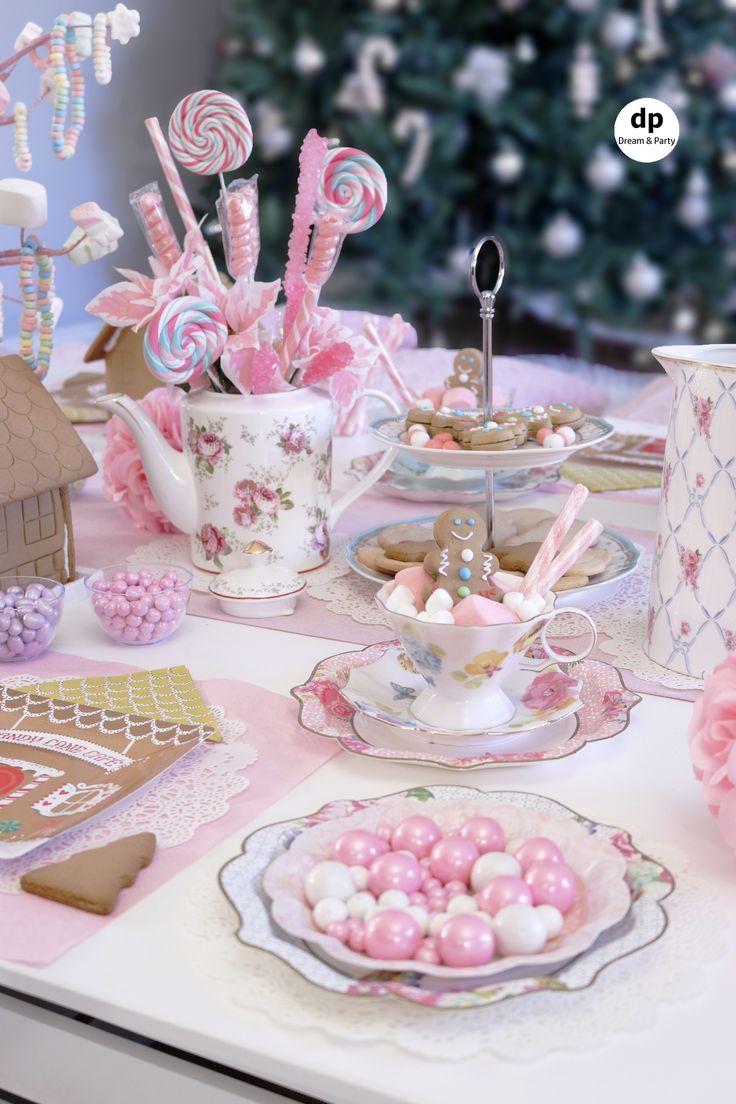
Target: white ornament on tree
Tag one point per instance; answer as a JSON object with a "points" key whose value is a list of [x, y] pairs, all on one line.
{"points": [[606, 170], [506, 165], [485, 71], [684, 320], [308, 57], [693, 210], [727, 96], [415, 125], [274, 138], [584, 80], [525, 50], [619, 30], [642, 279], [562, 236]]}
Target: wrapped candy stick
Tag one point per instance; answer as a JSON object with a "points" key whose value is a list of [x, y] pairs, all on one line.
{"points": [[148, 204], [553, 541], [569, 555], [237, 208]]}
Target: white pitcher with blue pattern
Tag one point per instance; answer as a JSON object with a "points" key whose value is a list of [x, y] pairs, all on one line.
{"points": [[691, 624]]}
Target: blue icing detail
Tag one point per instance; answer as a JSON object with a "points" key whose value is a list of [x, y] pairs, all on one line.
{"points": [[457, 521], [471, 521], [464, 572]]}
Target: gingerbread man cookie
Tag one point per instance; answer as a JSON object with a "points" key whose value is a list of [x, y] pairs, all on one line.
{"points": [[466, 372], [460, 563]]}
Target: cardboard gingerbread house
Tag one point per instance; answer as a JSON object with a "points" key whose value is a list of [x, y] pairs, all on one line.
{"points": [[126, 370], [41, 454]]}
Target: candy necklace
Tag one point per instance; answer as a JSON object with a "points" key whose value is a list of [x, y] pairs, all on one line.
{"points": [[36, 300], [101, 52], [63, 51], [21, 148]]}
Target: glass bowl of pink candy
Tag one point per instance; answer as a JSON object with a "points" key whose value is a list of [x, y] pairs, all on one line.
{"points": [[139, 604], [30, 609]]}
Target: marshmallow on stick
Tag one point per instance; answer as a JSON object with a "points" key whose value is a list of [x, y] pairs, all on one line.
{"points": [[553, 541]]}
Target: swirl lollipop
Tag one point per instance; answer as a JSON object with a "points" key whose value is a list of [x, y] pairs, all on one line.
{"points": [[184, 339], [210, 132], [354, 186]]}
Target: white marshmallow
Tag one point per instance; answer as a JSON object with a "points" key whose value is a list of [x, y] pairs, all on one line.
{"points": [[513, 599], [438, 600], [418, 440], [27, 35], [399, 596], [567, 433], [407, 611], [442, 617], [527, 610], [23, 203], [423, 616]]}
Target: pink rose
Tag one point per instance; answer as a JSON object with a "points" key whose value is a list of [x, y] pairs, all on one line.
{"points": [[209, 446], [212, 540], [243, 516], [193, 440], [331, 698], [712, 738], [294, 441], [548, 691], [321, 538], [244, 490], [124, 480], [266, 500]]}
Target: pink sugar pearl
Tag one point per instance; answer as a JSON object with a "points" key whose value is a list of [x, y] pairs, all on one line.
{"points": [[501, 891], [394, 870], [485, 832], [339, 929], [456, 886], [538, 850], [418, 899], [427, 952], [358, 847], [356, 935], [437, 901], [466, 940], [384, 832], [417, 834], [392, 934], [551, 884], [452, 859], [542, 433]]}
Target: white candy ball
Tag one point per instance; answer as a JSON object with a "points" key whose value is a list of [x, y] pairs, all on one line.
{"points": [[438, 600], [437, 922], [393, 899], [490, 866], [328, 911], [360, 876], [328, 879], [421, 916], [485, 916], [552, 918], [567, 433], [462, 903], [553, 440], [519, 930], [360, 904]]}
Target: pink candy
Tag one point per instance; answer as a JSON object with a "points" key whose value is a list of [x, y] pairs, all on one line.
{"points": [[30, 609], [138, 606]]}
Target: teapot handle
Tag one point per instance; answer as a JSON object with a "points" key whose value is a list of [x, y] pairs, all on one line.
{"points": [[376, 472]]}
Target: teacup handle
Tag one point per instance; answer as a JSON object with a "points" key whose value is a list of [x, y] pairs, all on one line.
{"points": [[375, 473], [560, 657]]}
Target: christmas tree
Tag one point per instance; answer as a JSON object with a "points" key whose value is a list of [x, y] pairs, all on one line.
{"points": [[499, 116]]}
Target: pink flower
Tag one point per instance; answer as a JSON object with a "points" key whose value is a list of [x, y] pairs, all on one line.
{"points": [[266, 500], [685, 628], [244, 490], [730, 638], [321, 538], [712, 738], [548, 691], [294, 441], [690, 560], [212, 540], [699, 480], [703, 411], [209, 446], [242, 515], [124, 479], [666, 478], [331, 698], [193, 440]]}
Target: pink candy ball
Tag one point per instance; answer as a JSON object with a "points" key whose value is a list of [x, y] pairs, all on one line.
{"points": [[135, 608], [339, 929], [455, 886], [356, 935], [452, 858], [394, 870], [392, 934], [466, 940], [542, 433], [428, 953], [538, 850], [417, 834], [485, 832], [358, 847], [501, 891], [551, 884]]}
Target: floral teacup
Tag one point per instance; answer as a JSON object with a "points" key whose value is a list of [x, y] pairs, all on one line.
{"points": [[466, 666]]}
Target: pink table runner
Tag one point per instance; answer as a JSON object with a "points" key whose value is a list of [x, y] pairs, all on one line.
{"points": [[37, 931]]}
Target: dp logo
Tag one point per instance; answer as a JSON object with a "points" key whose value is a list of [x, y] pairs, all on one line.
{"points": [[646, 129]]}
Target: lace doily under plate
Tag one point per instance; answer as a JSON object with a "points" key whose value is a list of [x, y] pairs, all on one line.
{"points": [[196, 791], [626, 997]]}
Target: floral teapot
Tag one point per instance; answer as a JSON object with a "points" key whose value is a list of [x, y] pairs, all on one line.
{"points": [[692, 604], [253, 466]]}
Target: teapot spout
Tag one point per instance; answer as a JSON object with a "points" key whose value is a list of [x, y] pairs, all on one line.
{"points": [[168, 471]]}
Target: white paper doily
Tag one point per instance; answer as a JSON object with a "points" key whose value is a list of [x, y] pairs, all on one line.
{"points": [[625, 998], [196, 792]]}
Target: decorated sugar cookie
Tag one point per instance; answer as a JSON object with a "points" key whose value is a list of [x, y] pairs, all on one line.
{"points": [[460, 563], [467, 370]]}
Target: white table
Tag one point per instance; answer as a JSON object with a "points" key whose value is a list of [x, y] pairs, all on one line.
{"points": [[134, 976]]}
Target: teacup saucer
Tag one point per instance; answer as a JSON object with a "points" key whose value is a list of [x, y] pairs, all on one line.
{"points": [[383, 691]]}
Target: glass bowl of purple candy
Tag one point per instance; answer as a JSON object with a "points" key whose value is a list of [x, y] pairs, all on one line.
{"points": [[139, 603], [30, 609]]}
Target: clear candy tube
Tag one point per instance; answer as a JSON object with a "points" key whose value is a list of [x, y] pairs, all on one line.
{"points": [[237, 209], [148, 204]]}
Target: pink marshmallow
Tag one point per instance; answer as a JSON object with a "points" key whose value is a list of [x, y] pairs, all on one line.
{"points": [[418, 582], [434, 394], [460, 398], [476, 610]]}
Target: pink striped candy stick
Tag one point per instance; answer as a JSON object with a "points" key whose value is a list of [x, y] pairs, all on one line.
{"points": [[569, 555], [329, 234], [553, 541]]}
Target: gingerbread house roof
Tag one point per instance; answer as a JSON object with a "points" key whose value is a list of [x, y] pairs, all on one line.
{"points": [[40, 449]]}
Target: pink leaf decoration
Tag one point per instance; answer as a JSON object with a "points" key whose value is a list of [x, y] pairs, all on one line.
{"points": [[344, 388], [264, 368], [237, 359], [311, 159], [329, 361], [122, 305], [247, 301]]}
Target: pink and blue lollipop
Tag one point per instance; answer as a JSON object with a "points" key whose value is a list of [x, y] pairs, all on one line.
{"points": [[354, 187], [184, 339]]}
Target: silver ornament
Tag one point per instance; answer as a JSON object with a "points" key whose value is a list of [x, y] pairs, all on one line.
{"points": [[606, 169], [507, 165], [642, 279], [562, 236]]}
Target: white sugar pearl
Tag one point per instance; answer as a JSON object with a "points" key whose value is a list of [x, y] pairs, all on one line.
{"points": [[486, 916], [519, 930], [437, 922], [490, 866], [553, 440], [442, 617], [567, 433], [360, 904], [393, 899], [467, 554], [421, 916], [328, 879], [360, 876], [328, 911], [438, 600], [399, 596], [553, 919], [462, 903]]}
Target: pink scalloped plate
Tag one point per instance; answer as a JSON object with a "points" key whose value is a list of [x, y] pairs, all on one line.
{"points": [[323, 710], [603, 896]]}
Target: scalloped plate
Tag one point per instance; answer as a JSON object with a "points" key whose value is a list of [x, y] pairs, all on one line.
{"points": [[414, 481]]}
